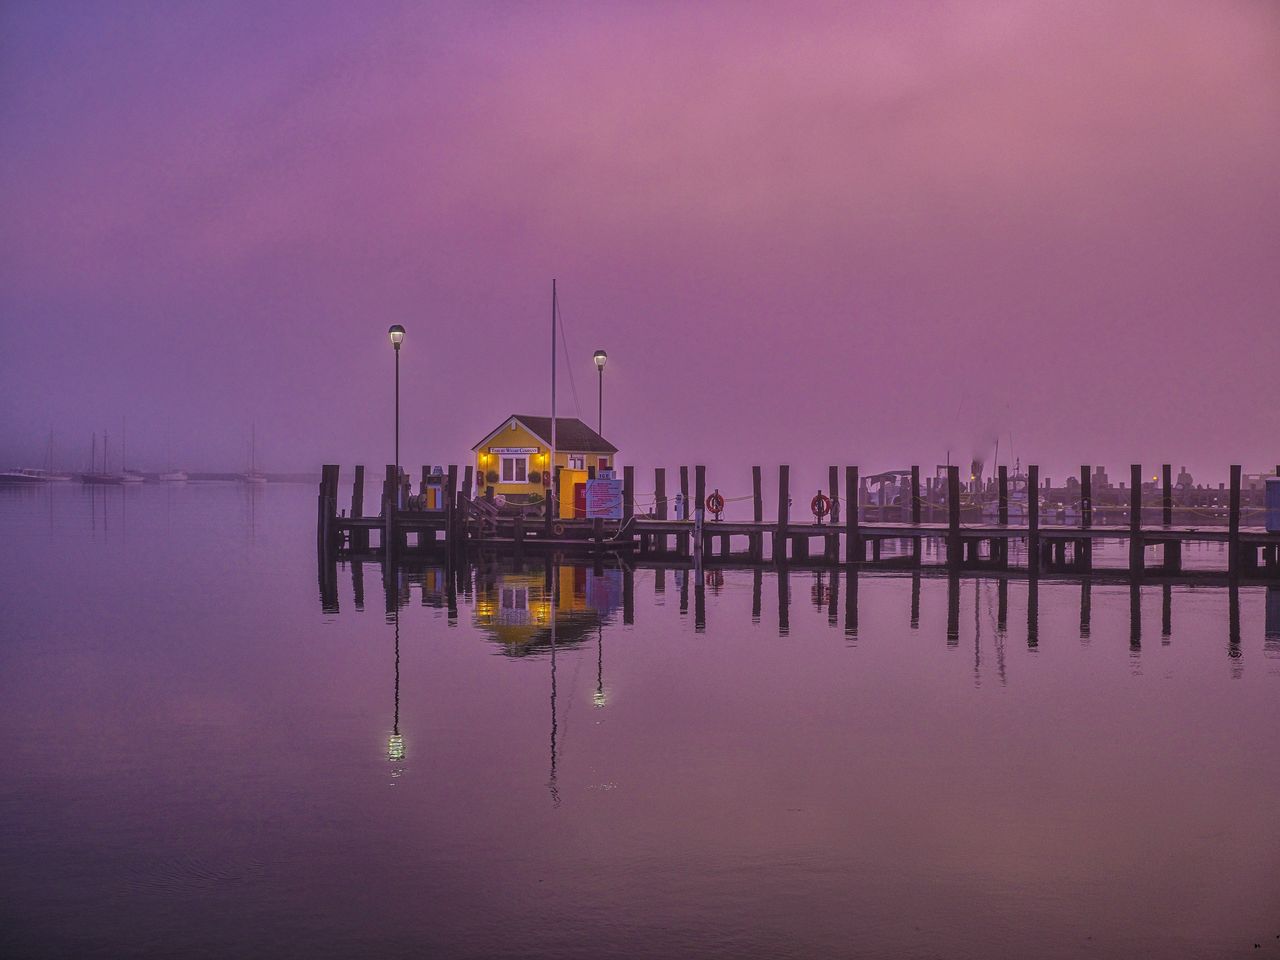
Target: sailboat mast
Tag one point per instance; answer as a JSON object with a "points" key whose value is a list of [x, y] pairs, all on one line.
{"points": [[554, 499], [93, 453]]}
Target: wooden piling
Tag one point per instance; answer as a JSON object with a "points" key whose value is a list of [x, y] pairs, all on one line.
{"points": [[784, 514], [357, 493], [391, 529], [699, 506], [451, 515], [682, 539], [1233, 524], [917, 543], [1136, 547], [628, 494], [954, 556], [756, 540], [915, 495], [1002, 517], [660, 496], [1033, 520], [1167, 498], [853, 549], [327, 509], [833, 489]]}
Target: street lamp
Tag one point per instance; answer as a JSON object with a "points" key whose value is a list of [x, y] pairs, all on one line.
{"points": [[600, 357], [396, 333]]}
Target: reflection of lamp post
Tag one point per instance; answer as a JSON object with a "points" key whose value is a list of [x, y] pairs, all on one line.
{"points": [[396, 333], [600, 357], [395, 742], [599, 697]]}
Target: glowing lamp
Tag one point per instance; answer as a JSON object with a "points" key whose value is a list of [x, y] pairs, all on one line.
{"points": [[599, 357], [396, 333]]}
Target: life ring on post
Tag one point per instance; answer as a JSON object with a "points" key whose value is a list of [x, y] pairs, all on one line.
{"points": [[820, 505], [557, 529], [715, 503]]}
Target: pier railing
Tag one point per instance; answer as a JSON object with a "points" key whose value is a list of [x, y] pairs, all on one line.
{"points": [[875, 521]]}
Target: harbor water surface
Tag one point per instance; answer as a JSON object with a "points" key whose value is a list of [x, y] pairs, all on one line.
{"points": [[201, 757]]}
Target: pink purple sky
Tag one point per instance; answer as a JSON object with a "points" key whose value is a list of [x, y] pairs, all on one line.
{"points": [[851, 233]]}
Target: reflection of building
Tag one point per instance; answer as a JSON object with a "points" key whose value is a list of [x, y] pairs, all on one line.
{"points": [[514, 606], [514, 460]]}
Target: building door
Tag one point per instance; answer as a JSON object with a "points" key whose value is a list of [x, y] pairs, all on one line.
{"points": [[580, 501]]}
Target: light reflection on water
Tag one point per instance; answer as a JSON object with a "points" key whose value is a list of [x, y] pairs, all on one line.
{"points": [[203, 756]]}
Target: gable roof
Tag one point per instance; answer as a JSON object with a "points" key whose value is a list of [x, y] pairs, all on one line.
{"points": [[572, 434]]}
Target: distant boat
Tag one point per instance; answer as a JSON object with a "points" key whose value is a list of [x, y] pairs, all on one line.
{"points": [[47, 472], [175, 476], [253, 475], [103, 476], [126, 475], [23, 477]]}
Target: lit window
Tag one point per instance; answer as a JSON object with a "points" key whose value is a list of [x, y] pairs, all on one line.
{"points": [[515, 469], [577, 462]]}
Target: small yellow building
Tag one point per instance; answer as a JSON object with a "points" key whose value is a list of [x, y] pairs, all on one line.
{"points": [[514, 460]]}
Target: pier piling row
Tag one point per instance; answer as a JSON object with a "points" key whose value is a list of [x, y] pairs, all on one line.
{"points": [[1046, 530]]}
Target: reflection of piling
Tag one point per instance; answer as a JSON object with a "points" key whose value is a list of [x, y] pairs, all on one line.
{"points": [[1272, 628], [953, 608]]}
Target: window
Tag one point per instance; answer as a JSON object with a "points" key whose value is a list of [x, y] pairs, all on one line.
{"points": [[604, 464], [515, 469], [577, 461]]}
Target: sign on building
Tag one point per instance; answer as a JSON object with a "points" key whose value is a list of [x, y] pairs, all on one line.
{"points": [[604, 499]]}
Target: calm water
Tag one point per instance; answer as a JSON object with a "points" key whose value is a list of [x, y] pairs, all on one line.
{"points": [[199, 757]]}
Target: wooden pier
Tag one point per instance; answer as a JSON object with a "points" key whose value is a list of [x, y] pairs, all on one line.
{"points": [[968, 534]]}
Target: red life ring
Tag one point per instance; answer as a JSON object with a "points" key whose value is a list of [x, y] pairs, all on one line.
{"points": [[715, 503], [820, 505]]}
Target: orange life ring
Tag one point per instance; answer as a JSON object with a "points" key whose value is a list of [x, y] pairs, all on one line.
{"points": [[820, 505], [715, 503]]}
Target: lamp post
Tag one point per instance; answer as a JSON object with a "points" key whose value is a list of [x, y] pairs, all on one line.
{"points": [[396, 333], [600, 357]]}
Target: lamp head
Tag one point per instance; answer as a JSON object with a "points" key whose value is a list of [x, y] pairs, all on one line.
{"points": [[600, 357], [396, 333]]}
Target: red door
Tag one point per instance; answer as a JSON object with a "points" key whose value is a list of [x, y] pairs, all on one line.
{"points": [[580, 500]]}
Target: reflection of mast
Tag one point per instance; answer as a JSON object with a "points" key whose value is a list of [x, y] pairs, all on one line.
{"points": [[395, 742], [551, 783], [600, 698]]}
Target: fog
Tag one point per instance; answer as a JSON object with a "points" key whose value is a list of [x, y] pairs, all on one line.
{"points": [[876, 233]]}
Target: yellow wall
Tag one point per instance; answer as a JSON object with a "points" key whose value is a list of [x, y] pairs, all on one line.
{"points": [[520, 437]]}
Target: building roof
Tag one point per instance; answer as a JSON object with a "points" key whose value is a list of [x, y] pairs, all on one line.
{"points": [[572, 435]]}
